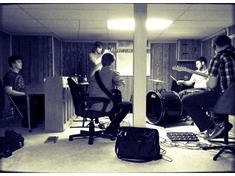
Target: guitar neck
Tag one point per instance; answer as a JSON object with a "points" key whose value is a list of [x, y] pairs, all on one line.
{"points": [[184, 69], [197, 73]]}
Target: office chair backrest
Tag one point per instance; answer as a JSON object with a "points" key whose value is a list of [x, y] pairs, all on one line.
{"points": [[226, 103], [77, 94]]}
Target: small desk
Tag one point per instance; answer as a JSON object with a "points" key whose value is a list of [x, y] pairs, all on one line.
{"points": [[32, 90]]}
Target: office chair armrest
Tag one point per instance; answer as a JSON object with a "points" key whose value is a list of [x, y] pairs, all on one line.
{"points": [[97, 100]]}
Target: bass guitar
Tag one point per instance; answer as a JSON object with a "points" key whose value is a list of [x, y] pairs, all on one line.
{"points": [[184, 69]]}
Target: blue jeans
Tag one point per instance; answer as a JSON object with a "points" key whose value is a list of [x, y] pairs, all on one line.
{"points": [[195, 104]]}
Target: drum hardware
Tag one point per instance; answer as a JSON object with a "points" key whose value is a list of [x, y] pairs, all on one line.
{"points": [[157, 82]]}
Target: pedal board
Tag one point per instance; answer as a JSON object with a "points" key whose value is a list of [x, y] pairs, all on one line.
{"points": [[182, 136]]}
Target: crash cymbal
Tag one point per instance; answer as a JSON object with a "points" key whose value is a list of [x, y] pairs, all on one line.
{"points": [[157, 80]]}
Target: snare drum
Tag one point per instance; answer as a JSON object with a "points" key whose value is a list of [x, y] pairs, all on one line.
{"points": [[163, 106]]}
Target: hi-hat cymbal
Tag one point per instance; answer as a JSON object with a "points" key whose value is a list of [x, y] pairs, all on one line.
{"points": [[157, 80]]}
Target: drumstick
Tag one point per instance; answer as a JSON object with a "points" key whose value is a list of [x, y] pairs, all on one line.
{"points": [[173, 78]]}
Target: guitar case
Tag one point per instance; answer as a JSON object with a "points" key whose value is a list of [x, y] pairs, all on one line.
{"points": [[9, 143]]}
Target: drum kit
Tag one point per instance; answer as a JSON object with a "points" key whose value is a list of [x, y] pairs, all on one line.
{"points": [[163, 105]]}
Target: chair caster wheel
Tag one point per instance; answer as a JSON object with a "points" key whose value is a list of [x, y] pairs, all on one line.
{"points": [[70, 138]]}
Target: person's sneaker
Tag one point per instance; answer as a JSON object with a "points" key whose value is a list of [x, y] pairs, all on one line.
{"points": [[213, 133], [230, 126]]}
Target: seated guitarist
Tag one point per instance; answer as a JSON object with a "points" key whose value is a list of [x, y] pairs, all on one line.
{"points": [[196, 79], [110, 79]]}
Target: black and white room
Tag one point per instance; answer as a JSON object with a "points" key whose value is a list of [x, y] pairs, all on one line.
{"points": [[55, 40]]}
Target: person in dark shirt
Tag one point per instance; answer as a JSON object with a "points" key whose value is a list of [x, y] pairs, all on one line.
{"points": [[15, 87]]}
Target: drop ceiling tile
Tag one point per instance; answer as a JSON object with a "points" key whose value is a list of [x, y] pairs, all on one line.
{"points": [[93, 24], [209, 7], [95, 31], [14, 13], [207, 15], [31, 30], [64, 30], [167, 7], [45, 14], [63, 19], [60, 23], [78, 6], [120, 14], [174, 15], [20, 23], [198, 24]]}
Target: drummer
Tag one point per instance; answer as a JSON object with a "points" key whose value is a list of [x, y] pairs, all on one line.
{"points": [[198, 82]]}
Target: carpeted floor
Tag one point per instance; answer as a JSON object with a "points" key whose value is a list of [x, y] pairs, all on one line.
{"points": [[77, 156]]}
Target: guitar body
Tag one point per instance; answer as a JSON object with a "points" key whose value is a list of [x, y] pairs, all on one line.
{"points": [[117, 100]]}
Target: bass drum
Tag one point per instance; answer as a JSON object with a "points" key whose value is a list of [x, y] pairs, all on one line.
{"points": [[163, 106]]}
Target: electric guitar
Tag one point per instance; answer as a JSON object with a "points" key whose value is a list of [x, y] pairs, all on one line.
{"points": [[181, 68]]}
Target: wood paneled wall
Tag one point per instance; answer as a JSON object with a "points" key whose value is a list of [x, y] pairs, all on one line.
{"points": [[207, 49], [57, 58], [75, 57], [36, 53], [4, 53], [163, 57]]}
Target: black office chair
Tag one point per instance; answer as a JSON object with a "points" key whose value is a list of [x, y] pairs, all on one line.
{"points": [[81, 104], [82, 94], [225, 106]]}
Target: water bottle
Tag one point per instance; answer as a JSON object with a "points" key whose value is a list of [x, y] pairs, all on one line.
{"points": [[85, 78], [75, 78], [79, 78]]}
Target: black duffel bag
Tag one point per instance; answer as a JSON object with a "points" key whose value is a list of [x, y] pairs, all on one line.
{"points": [[138, 144], [9, 143]]}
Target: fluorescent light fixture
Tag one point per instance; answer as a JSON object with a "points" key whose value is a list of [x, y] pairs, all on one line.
{"points": [[129, 24], [154, 24]]}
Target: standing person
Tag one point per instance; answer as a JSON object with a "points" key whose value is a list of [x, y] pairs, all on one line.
{"points": [[95, 57], [221, 71], [110, 79], [15, 87], [198, 82]]}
